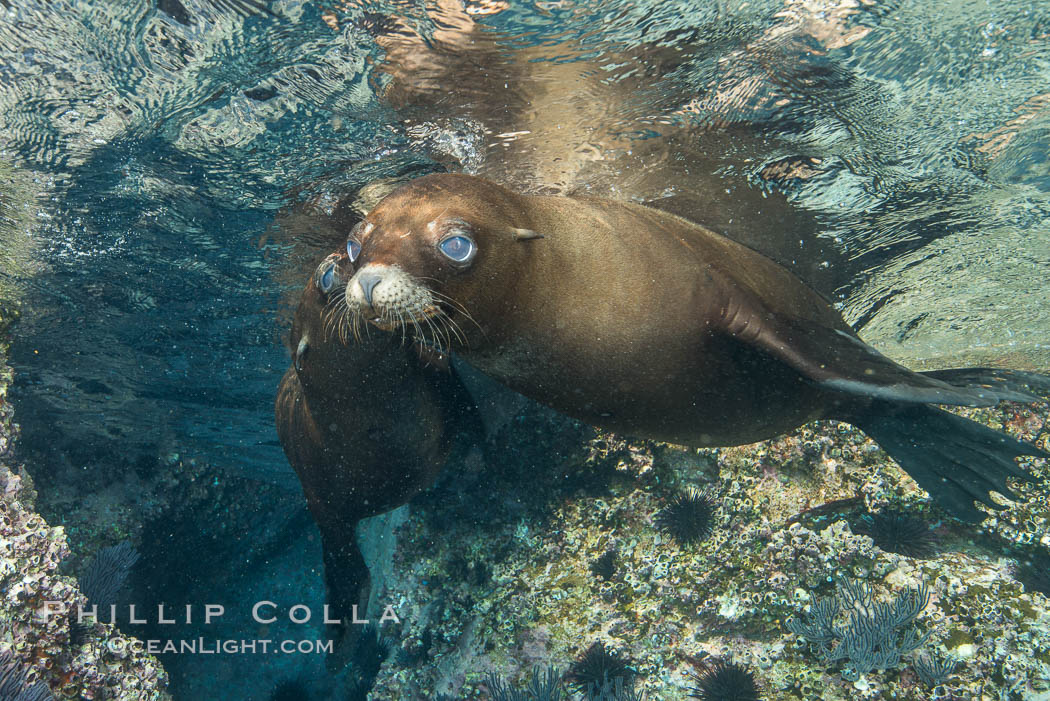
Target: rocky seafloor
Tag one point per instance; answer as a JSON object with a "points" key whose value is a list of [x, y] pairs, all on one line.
{"points": [[529, 561], [88, 661], [549, 543]]}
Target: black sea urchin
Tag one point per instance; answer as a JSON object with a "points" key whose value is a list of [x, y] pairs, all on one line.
{"points": [[597, 666], [688, 518], [725, 681], [897, 532]]}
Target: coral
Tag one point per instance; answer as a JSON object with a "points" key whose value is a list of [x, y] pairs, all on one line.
{"points": [[783, 537], [870, 638], [597, 666], [543, 686], [898, 532], [14, 684], [689, 517], [104, 576], [725, 681], [933, 670]]}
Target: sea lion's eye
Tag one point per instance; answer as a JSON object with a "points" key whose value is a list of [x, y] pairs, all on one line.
{"points": [[353, 249], [458, 248], [328, 279]]}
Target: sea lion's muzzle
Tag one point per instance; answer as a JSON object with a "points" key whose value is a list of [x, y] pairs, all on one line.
{"points": [[387, 296], [367, 281]]}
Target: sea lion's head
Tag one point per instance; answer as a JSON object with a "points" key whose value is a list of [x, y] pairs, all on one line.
{"points": [[317, 323], [431, 252]]}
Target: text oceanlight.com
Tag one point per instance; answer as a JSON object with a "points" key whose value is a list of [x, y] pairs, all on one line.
{"points": [[206, 646]]}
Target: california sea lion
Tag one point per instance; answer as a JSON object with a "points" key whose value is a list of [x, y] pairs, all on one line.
{"points": [[365, 425], [639, 321]]}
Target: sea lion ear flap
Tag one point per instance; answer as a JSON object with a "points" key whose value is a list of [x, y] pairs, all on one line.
{"points": [[525, 234], [300, 353]]}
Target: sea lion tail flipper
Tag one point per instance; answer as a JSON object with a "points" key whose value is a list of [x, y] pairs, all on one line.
{"points": [[954, 459]]}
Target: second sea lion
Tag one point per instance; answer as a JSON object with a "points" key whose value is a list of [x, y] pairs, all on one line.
{"points": [[365, 424], [642, 322]]}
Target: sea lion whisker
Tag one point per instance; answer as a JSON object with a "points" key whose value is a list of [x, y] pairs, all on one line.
{"points": [[457, 306], [435, 335], [330, 317], [452, 329], [342, 315], [356, 324], [460, 334], [450, 332], [440, 321], [333, 315]]}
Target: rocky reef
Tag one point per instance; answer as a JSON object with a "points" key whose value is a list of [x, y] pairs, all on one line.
{"points": [[88, 661], [529, 561]]}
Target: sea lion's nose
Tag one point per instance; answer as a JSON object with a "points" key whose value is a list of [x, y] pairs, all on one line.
{"points": [[368, 280]]}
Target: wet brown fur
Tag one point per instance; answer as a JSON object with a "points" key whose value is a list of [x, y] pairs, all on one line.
{"points": [[364, 424], [611, 316]]}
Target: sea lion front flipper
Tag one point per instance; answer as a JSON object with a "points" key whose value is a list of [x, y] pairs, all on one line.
{"points": [[1026, 386], [839, 361], [956, 460]]}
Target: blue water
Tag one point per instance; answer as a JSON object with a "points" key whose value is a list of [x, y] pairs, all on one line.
{"points": [[156, 144]]}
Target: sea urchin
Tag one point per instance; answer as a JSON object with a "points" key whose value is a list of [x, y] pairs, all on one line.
{"points": [[725, 681], [597, 666], [897, 532], [688, 518]]}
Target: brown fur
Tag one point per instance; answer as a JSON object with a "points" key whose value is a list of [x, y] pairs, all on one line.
{"points": [[365, 425], [624, 316], [610, 316]]}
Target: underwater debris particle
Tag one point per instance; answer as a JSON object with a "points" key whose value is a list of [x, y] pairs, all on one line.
{"points": [[897, 532], [689, 517], [725, 681], [597, 666]]}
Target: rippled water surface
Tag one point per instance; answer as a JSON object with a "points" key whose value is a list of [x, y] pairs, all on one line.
{"points": [[899, 148]]}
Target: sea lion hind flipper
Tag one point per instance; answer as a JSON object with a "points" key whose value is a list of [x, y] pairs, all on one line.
{"points": [[956, 460], [841, 362]]}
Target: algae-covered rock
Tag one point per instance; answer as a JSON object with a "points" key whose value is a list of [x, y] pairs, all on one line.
{"points": [[93, 661], [532, 566]]}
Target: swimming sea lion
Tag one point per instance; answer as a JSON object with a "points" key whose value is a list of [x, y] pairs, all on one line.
{"points": [[365, 425], [639, 321]]}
